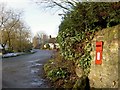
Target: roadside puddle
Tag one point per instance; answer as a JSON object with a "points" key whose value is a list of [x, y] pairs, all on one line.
{"points": [[39, 83], [35, 65], [36, 82], [34, 61], [35, 70]]}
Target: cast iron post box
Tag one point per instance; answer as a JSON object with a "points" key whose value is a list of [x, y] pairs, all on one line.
{"points": [[99, 48]]}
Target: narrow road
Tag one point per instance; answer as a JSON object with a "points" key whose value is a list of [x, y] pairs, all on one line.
{"points": [[25, 71]]}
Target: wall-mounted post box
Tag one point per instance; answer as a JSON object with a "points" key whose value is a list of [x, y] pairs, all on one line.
{"points": [[99, 49]]}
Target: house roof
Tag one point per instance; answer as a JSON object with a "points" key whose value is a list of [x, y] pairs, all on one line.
{"points": [[52, 40]]}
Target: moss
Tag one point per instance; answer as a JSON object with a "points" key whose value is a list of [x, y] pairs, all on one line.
{"points": [[109, 34], [106, 73]]}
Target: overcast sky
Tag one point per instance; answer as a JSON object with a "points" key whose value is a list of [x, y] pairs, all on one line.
{"points": [[36, 17]]}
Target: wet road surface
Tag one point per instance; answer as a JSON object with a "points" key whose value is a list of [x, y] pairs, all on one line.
{"points": [[25, 71]]}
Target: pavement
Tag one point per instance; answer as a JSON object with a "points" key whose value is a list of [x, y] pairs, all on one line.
{"points": [[25, 71]]}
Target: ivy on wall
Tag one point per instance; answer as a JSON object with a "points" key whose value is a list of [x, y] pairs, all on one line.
{"points": [[78, 27]]}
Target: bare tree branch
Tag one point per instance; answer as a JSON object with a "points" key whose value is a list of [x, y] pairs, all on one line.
{"points": [[62, 4]]}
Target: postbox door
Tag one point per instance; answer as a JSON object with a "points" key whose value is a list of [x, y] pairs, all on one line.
{"points": [[98, 57], [98, 52]]}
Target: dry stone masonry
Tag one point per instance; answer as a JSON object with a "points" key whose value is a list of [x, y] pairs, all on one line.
{"points": [[106, 74]]}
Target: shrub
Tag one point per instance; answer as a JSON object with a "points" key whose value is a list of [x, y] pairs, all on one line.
{"points": [[57, 73], [47, 46]]}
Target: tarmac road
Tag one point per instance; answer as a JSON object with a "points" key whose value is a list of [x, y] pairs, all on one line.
{"points": [[25, 71]]}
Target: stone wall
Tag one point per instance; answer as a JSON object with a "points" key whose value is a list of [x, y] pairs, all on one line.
{"points": [[106, 74]]}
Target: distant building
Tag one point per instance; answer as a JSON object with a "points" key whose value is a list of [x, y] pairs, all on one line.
{"points": [[44, 39], [52, 42]]}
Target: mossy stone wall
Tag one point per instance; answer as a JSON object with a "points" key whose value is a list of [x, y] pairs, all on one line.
{"points": [[106, 74]]}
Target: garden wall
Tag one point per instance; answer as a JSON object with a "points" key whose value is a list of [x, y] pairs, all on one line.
{"points": [[106, 74]]}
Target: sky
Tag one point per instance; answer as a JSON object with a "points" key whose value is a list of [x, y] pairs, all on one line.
{"points": [[36, 17]]}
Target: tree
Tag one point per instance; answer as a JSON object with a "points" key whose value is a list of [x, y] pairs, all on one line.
{"points": [[35, 42], [15, 34], [39, 40]]}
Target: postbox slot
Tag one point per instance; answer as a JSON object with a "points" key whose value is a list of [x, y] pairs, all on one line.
{"points": [[98, 45]]}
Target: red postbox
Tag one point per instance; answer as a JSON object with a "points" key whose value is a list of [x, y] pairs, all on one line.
{"points": [[99, 48]]}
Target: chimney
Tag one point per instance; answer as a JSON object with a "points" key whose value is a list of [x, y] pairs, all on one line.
{"points": [[50, 36]]}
